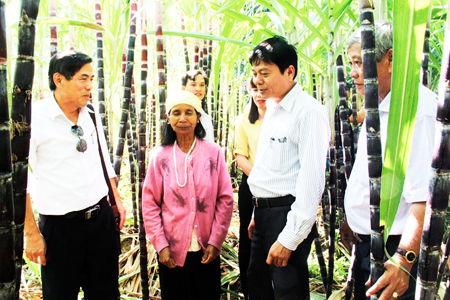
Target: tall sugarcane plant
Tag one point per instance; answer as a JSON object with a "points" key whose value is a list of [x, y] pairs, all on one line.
{"points": [[126, 94], [141, 159], [100, 75], [7, 271], [160, 63], [373, 137], [21, 117], [439, 187], [53, 28]]}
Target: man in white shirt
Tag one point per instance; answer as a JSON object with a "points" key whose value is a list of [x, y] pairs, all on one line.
{"points": [[405, 236], [76, 239], [196, 82], [288, 177]]}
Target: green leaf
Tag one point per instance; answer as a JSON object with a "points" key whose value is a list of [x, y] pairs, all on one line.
{"points": [[59, 21], [409, 32], [203, 36]]}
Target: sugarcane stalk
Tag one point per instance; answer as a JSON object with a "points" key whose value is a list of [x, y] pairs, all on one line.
{"points": [[53, 28], [332, 190], [160, 63], [141, 158], [340, 174], [7, 262], [438, 189], [126, 93], [373, 137], [351, 275], [210, 49], [200, 58], [100, 74], [346, 139], [205, 56], [132, 175], [443, 264], [426, 52], [325, 202], [355, 129], [320, 258], [185, 46], [21, 117]]}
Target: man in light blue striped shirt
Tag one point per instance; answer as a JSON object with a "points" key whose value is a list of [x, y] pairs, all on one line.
{"points": [[288, 177]]}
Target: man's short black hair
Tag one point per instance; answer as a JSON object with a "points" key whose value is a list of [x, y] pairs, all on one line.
{"points": [[66, 63], [275, 50], [191, 76]]}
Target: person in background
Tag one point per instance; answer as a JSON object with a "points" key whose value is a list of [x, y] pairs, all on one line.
{"points": [[187, 204], [288, 177], [404, 239], [196, 82], [248, 127], [76, 239]]}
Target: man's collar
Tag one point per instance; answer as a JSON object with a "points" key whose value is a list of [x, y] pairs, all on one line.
{"points": [[384, 105], [53, 107], [288, 101]]}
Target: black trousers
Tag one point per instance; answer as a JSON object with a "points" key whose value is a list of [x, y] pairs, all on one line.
{"points": [[361, 268], [193, 281], [267, 282], [80, 253], [245, 216]]}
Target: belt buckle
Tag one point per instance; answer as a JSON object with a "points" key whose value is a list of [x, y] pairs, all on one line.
{"points": [[256, 201], [88, 213]]}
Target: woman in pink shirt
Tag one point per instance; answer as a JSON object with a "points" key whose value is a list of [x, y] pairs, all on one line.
{"points": [[187, 204]]}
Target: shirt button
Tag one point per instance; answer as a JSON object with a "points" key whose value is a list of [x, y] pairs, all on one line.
{"points": [[195, 226]]}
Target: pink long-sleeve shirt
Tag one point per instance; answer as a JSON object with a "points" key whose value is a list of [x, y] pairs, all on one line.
{"points": [[205, 204]]}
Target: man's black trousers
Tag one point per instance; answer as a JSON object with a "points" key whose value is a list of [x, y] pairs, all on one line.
{"points": [[80, 253], [267, 282]]}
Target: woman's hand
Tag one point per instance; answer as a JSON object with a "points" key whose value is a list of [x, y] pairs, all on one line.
{"points": [[166, 258], [210, 254]]}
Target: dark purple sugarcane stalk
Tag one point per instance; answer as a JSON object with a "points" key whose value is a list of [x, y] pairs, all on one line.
{"points": [[126, 92], [143, 253], [21, 118], [438, 189], [346, 139], [366, 17], [101, 76], [355, 130], [160, 63], [426, 54], [53, 28], [7, 262], [332, 190], [185, 46]]}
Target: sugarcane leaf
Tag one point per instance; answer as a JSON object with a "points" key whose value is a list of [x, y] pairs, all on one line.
{"points": [[276, 22], [203, 36], [59, 21], [409, 32]]}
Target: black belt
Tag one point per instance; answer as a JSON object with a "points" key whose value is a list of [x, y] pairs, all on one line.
{"points": [[271, 202], [87, 213]]}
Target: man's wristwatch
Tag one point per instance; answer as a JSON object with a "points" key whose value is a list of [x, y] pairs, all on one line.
{"points": [[409, 255]]}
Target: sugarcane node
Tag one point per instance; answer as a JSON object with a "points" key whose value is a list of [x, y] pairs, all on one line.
{"points": [[24, 16]]}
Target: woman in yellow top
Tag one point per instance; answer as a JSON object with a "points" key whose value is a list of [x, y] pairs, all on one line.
{"points": [[248, 128]]}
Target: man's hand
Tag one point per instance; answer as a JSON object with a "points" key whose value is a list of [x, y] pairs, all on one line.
{"points": [[210, 254], [393, 280], [166, 258], [251, 228], [347, 237], [278, 255], [120, 208], [36, 248]]}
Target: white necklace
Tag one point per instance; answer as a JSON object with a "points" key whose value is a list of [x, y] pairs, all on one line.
{"points": [[185, 162]]}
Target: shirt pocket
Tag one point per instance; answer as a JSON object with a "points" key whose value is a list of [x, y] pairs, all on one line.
{"points": [[279, 154]]}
